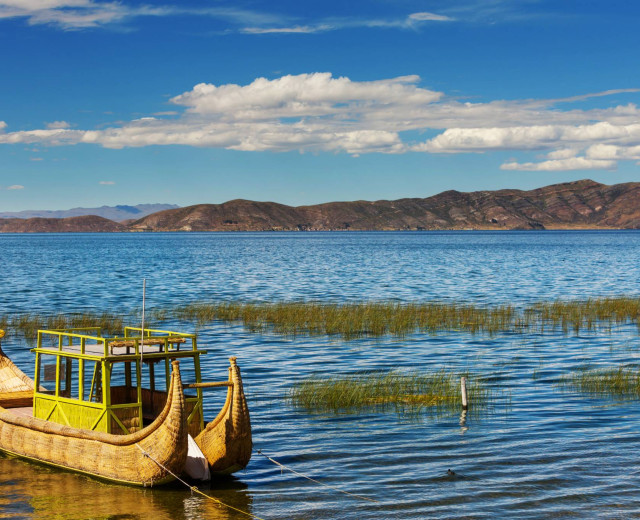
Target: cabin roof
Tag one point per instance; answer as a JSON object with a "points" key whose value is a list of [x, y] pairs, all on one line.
{"points": [[79, 343]]}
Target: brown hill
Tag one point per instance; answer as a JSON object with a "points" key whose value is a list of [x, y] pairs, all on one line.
{"points": [[86, 224], [575, 205]]}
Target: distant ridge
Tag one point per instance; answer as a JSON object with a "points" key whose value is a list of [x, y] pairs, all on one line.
{"points": [[117, 213], [84, 224], [581, 204]]}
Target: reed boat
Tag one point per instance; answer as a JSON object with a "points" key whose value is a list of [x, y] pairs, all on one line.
{"points": [[125, 409]]}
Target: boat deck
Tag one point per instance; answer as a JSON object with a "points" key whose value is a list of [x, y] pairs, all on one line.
{"points": [[24, 411], [121, 348]]}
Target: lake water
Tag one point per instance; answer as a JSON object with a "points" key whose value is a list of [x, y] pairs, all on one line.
{"points": [[542, 452]]}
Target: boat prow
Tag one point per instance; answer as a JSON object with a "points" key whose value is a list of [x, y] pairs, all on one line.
{"points": [[226, 441]]}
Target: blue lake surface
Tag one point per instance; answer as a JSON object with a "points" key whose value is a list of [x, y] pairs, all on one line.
{"points": [[542, 452]]}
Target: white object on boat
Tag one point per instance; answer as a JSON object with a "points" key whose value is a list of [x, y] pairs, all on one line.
{"points": [[196, 466]]}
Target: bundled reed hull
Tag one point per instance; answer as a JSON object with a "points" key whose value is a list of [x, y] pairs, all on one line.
{"points": [[147, 457], [226, 441]]}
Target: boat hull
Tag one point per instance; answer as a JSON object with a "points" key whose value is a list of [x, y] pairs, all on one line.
{"points": [[151, 456]]}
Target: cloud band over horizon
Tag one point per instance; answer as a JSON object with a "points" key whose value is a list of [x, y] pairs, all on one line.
{"points": [[317, 112]]}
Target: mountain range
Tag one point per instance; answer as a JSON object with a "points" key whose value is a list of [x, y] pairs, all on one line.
{"points": [[117, 213], [581, 204]]}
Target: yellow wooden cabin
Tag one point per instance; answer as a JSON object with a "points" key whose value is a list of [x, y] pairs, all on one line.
{"points": [[115, 385]]}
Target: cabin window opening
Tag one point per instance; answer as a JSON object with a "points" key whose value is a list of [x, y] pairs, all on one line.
{"points": [[47, 374], [92, 381], [69, 378], [124, 383]]}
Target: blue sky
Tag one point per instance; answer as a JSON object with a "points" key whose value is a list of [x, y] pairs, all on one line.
{"points": [[306, 102]]}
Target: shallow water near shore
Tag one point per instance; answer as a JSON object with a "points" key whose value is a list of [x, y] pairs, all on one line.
{"points": [[543, 452]]}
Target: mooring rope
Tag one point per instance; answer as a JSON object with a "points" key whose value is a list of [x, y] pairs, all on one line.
{"points": [[194, 489], [282, 466]]}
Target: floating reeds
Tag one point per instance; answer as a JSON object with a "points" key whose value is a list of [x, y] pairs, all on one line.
{"points": [[369, 319], [437, 391], [351, 320], [29, 324], [618, 382]]}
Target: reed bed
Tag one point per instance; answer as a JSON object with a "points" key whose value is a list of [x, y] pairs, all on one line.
{"points": [[366, 319], [437, 391], [352, 320], [28, 324], [618, 382]]}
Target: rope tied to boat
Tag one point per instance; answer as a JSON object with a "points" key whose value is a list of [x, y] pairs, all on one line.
{"points": [[194, 489], [282, 467]]}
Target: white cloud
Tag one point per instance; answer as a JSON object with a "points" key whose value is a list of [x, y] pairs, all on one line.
{"points": [[15, 187], [318, 112], [296, 29], [429, 17], [3, 126], [107, 183], [55, 125], [572, 163], [86, 14]]}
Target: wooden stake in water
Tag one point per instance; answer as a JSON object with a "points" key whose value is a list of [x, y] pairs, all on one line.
{"points": [[144, 294], [463, 391]]}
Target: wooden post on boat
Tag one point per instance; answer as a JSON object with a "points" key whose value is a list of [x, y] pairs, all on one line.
{"points": [[463, 391]]}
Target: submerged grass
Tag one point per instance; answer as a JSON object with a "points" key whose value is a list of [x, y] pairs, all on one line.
{"points": [[368, 319], [618, 382], [352, 320], [28, 324], [412, 392]]}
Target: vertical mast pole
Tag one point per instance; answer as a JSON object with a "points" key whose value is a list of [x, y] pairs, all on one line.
{"points": [[144, 294]]}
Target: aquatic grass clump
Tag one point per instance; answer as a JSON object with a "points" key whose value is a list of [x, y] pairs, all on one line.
{"points": [[352, 320], [28, 324], [589, 315], [618, 382], [367, 319], [437, 391], [372, 319]]}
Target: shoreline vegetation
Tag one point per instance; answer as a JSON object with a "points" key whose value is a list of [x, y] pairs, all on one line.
{"points": [[360, 319], [617, 382], [412, 392]]}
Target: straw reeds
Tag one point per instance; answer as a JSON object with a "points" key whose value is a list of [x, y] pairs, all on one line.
{"points": [[437, 391], [367, 319], [352, 320], [618, 382], [28, 324]]}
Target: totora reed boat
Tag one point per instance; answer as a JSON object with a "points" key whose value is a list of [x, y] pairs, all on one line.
{"points": [[128, 409]]}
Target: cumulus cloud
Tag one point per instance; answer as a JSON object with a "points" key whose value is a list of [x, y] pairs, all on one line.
{"points": [[318, 112]]}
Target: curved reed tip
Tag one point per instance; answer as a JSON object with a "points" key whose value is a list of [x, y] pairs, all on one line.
{"points": [[175, 364], [1, 333], [232, 360]]}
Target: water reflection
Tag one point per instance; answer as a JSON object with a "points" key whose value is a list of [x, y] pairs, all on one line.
{"points": [[32, 491]]}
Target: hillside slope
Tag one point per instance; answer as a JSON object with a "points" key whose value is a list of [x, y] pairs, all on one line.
{"points": [[576, 205]]}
